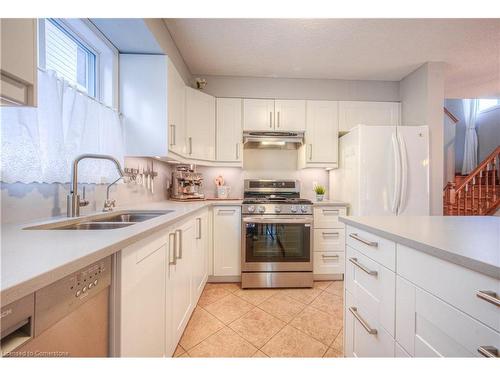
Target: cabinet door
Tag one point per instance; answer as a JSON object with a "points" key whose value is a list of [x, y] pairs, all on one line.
{"points": [[142, 269], [18, 61], [227, 240], [258, 114], [200, 121], [322, 132], [180, 279], [200, 255], [290, 115], [367, 113], [176, 111], [229, 129]]}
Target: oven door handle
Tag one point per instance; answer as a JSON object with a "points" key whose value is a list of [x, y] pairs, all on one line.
{"points": [[278, 220]]}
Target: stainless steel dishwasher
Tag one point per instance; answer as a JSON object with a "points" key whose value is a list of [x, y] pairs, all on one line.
{"points": [[68, 318]]}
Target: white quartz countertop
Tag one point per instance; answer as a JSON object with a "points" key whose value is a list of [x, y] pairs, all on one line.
{"points": [[32, 259], [469, 241]]}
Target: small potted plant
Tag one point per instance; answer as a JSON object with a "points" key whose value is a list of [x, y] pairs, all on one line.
{"points": [[320, 192]]}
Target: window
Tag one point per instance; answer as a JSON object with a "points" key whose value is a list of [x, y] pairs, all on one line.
{"points": [[485, 104], [69, 57]]}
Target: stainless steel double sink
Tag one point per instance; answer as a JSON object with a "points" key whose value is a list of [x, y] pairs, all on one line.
{"points": [[103, 221]]}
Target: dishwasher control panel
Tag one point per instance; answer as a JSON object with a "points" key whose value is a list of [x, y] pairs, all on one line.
{"points": [[60, 298]]}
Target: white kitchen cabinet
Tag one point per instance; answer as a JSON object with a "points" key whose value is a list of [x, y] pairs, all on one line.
{"points": [[200, 254], [229, 146], [429, 327], [258, 114], [227, 240], [352, 113], [290, 115], [176, 111], [18, 62], [180, 278], [141, 297], [320, 148], [200, 125]]}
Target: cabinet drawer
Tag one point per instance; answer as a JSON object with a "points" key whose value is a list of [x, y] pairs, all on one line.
{"points": [[454, 284], [373, 286], [432, 328], [329, 239], [375, 247], [328, 217], [358, 341], [327, 262]]}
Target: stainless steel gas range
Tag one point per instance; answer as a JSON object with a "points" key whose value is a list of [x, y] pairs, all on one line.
{"points": [[276, 241]]}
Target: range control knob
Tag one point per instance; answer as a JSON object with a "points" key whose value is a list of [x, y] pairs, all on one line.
{"points": [[293, 208], [261, 209], [277, 209], [251, 208], [303, 208], [91, 285]]}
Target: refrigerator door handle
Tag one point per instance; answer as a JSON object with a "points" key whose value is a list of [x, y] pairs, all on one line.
{"points": [[397, 174], [404, 172]]}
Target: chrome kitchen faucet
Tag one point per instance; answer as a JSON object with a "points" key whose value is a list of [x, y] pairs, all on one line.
{"points": [[73, 199]]}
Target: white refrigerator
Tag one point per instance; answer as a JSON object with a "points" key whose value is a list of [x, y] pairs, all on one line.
{"points": [[383, 170]]}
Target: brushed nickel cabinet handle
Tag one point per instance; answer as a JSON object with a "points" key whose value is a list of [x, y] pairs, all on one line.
{"points": [[327, 211], [174, 262], [270, 119], [366, 242], [179, 231], [190, 145], [330, 233], [225, 211], [310, 151], [488, 351], [329, 256], [237, 151], [370, 330], [278, 119], [198, 219], [172, 133], [489, 296], [361, 266]]}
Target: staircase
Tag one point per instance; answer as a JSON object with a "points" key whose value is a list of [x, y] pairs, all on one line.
{"points": [[475, 194]]}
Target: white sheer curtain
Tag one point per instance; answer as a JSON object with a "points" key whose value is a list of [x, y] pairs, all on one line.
{"points": [[39, 144], [470, 145]]}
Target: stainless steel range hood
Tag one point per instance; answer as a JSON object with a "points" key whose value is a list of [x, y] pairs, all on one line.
{"points": [[273, 140]]}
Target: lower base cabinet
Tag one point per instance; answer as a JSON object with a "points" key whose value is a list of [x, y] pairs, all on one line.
{"points": [[159, 280], [227, 240]]}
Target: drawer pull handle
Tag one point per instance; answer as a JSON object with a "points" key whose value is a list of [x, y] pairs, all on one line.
{"points": [[330, 233], [488, 351], [330, 256], [366, 242], [330, 211], [489, 296], [364, 268], [173, 262], [370, 330]]}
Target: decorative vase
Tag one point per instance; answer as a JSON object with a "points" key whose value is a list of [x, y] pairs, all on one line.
{"points": [[319, 197]]}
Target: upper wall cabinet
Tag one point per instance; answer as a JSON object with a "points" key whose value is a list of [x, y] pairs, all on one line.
{"points": [[18, 62], [321, 138], [200, 125], [290, 115], [258, 114], [367, 113], [176, 111], [228, 130], [274, 115]]}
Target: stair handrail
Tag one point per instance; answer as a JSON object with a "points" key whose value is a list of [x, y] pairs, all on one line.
{"points": [[473, 174]]}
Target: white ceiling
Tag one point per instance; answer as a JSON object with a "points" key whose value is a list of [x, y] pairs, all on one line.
{"points": [[364, 49]]}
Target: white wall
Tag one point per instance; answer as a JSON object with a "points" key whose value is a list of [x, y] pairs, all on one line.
{"points": [[26, 202], [290, 88], [422, 99]]}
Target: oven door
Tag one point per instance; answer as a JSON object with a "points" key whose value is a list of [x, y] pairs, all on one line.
{"points": [[277, 243]]}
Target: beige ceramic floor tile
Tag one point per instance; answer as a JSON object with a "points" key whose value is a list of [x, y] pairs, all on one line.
{"points": [[291, 342], [282, 307], [317, 324], [305, 296], [200, 326], [259, 354], [212, 294], [330, 304], [225, 343], [255, 296], [332, 353], [229, 308], [257, 326], [338, 343], [179, 351], [232, 287], [321, 284], [337, 288]]}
